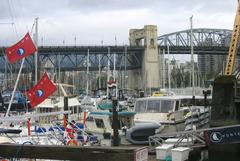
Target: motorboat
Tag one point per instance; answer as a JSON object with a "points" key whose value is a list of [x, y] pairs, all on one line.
{"points": [[171, 113], [100, 122]]}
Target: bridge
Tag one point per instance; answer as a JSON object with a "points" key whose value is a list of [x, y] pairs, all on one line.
{"points": [[128, 58], [74, 58], [206, 41]]}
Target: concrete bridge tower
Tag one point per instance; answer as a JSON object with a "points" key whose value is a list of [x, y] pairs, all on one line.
{"points": [[147, 37]]}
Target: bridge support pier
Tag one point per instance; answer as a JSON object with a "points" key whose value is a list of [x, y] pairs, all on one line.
{"points": [[147, 37]]}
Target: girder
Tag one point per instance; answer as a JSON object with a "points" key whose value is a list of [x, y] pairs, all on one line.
{"points": [[201, 37], [72, 58], [198, 50]]}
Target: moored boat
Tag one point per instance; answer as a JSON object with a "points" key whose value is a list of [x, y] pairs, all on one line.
{"points": [[99, 123], [172, 114]]}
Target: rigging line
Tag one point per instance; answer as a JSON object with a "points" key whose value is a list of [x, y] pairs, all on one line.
{"points": [[6, 23], [34, 23], [22, 14], [6, 60], [12, 17]]}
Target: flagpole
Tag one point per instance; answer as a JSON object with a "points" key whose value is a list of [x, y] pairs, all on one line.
{"points": [[15, 87]]}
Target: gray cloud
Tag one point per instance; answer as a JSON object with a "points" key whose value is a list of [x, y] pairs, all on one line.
{"points": [[95, 20], [27, 8]]}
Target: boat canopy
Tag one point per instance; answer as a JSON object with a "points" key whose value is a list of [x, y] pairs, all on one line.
{"points": [[122, 113], [104, 105], [10, 131]]}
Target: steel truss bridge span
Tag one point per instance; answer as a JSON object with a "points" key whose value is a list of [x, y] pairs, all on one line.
{"points": [[74, 58], [205, 41]]}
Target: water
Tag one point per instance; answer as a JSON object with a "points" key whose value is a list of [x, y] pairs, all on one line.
{"points": [[228, 152]]}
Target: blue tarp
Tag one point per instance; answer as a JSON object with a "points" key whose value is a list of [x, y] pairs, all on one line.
{"points": [[104, 105]]}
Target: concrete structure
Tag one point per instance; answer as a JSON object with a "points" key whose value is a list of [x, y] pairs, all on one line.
{"points": [[146, 37]]}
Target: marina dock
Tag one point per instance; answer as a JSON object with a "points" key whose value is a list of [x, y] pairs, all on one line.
{"points": [[72, 152], [164, 92]]}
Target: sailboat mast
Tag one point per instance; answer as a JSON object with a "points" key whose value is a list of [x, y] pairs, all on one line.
{"points": [[192, 58], [59, 74], [169, 71], [99, 68], [114, 66], [36, 55], [108, 70], [114, 61], [163, 76], [99, 71], [125, 67], [87, 71]]}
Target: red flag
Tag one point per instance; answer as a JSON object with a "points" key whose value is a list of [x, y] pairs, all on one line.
{"points": [[22, 49], [41, 90]]}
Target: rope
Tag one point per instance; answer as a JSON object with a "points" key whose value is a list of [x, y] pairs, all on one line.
{"points": [[20, 149]]}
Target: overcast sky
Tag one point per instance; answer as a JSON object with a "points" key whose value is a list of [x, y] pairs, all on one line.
{"points": [[96, 21]]}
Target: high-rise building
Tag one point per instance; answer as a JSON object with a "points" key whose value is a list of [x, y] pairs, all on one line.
{"points": [[211, 64]]}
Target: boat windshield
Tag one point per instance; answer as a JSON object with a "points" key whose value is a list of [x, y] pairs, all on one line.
{"points": [[140, 106], [152, 106], [166, 106]]}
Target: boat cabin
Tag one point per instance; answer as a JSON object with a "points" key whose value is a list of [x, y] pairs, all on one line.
{"points": [[100, 122], [164, 108]]}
